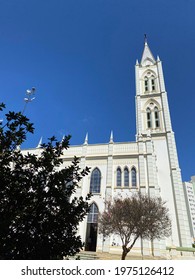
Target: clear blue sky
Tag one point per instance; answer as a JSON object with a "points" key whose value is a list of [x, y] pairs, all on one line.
{"points": [[80, 56]]}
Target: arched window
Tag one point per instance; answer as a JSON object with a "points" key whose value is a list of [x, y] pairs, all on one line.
{"points": [[156, 117], [118, 177], [95, 181], [146, 85], [153, 83], [126, 177], [149, 118], [133, 177], [93, 214]]}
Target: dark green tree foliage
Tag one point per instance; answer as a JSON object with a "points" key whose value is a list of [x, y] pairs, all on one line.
{"points": [[138, 216], [39, 213]]}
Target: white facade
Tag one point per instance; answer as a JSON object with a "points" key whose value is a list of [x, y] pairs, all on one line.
{"points": [[149, 164], [189, 190]]}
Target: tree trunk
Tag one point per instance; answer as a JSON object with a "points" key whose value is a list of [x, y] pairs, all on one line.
{"points": [[142, 251], [152, 246], [125, 252]]}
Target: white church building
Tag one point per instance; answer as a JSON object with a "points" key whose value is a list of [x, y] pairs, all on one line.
{"points": [[149, 165]]}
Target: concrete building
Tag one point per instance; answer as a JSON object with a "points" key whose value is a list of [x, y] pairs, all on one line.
{"points": [[189, 190], [149, 164]]}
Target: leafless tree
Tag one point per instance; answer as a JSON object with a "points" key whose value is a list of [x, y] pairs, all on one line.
{"points": [[133, 217]]}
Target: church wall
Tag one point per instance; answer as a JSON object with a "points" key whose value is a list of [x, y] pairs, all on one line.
{"points": [[165, 184]]}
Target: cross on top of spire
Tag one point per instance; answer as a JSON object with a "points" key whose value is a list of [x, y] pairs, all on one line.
{"points": [[145, 38]]}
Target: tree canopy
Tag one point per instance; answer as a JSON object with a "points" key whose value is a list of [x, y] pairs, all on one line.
{"points": [[133, 217], [39, 210]]}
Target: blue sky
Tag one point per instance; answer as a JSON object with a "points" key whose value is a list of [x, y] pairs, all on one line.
{"points": [[80, 56]]}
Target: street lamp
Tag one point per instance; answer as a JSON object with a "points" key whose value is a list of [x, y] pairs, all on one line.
{"points": [[29, 97]]}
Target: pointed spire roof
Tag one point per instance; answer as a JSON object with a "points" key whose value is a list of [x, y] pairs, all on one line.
{"points": [[147, 56], [86, 139], [40, 143], [111, 137], [18, 148], [158, 58]]}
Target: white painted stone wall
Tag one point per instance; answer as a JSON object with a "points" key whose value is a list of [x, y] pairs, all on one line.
{"points": [[190, 201]]}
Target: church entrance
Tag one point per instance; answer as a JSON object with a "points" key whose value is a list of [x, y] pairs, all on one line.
{"points": [[91, 237], [92, 228]]}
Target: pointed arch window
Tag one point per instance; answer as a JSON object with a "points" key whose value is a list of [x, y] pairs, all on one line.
{"points": [[153, 83], [118, 177], [93, 214], [126, 177], [156, 117], [149, 118], [133, 178], [95, 181], [146, 84]]}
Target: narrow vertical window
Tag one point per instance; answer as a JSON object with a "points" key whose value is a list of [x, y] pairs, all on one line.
{"points": [[118, 177], [146, 84], [93, 214], [95, 181], [133, 178], [156, 117], [153, 83], [149, 118], [126, 177]]}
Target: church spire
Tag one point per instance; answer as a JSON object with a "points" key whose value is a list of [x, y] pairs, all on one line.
{"points": [[111, 137], [40, 143], [147, 56], [86, 139]]}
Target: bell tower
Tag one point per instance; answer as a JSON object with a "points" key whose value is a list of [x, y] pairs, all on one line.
{"points": [[152, 112], [153, 121]]}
